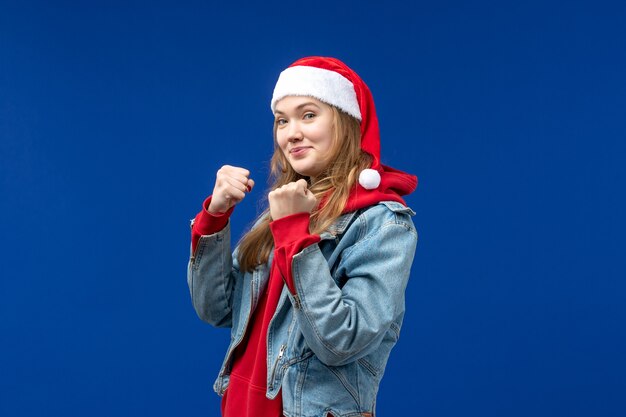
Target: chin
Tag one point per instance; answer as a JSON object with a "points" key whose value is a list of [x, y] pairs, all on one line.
{"points": [[302, 171], [304, 174]]}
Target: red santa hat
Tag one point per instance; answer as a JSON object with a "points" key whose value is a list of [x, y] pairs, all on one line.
{"points": [[333, 82]]}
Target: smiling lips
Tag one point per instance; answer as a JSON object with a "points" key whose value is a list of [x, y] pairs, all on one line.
{"points": [[300, 150]]}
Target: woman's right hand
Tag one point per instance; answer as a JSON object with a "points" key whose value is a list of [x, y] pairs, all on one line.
{"points": [[231, 186]]}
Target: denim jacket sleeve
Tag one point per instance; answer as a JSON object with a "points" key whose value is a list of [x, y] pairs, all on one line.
{"points": [[344, 324], [211, 275]]}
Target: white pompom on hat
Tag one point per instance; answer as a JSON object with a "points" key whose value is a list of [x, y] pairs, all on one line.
{"points": [[369, 179], [333, 82]]}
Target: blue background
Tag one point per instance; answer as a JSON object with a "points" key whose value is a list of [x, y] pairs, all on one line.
{"points": [[114, 118]]}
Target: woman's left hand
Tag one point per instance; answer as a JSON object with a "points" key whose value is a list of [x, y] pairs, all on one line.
{"points": [[291, 198]]}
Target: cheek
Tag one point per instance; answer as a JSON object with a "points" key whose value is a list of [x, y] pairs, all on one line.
{"points": [[327, 139], [281, 142], [327, 132]]}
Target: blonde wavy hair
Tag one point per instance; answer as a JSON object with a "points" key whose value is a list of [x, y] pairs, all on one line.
{"points": [[345, 161]]}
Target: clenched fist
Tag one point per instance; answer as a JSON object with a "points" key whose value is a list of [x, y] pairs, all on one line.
{"points": [[291, 198], [231, 186]]}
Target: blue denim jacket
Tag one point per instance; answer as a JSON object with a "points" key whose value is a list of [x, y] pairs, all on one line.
{"points": [[328, 347]]}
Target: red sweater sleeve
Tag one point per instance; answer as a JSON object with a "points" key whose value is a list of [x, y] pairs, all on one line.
{"points": [[291, 235], [206, 223]]}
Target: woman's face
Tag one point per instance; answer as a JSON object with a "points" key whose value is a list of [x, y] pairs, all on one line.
{"points": [[304, 133]]}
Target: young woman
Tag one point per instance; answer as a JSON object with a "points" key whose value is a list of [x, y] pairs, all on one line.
{"points": [[314, 292]]}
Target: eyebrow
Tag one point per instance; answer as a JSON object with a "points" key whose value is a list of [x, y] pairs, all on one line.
{"points": [[299, 107]]}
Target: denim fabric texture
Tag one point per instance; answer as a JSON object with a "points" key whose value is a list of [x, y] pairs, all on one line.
{"points": [[327, 349]]}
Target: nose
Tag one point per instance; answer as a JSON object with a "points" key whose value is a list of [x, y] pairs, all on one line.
{"points": [[294, 133]]}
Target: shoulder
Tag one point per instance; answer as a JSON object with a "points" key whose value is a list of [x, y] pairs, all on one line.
{"points": [[385, 227], [389, 208], [372, 219], [386, 212]]}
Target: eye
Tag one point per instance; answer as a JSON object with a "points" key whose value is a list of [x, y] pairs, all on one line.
{"points": [[280, 122], [309, 115]]}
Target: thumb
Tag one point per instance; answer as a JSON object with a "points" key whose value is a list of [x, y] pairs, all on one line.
{"points": [[250, 184], [303, 185]]}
